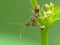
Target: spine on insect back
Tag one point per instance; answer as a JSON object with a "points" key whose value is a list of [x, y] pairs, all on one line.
{"points": [[44, 37]]}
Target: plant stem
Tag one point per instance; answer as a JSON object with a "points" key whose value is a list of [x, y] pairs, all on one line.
{"points": [[34, 3], [44, 37]]}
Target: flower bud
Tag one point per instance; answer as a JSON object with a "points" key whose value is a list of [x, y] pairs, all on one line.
{"points": [[46, 14], [46, 6], [51, 5], [49, 12]]}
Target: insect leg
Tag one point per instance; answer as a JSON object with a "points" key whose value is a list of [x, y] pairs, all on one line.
{"points": [[41, 26]]}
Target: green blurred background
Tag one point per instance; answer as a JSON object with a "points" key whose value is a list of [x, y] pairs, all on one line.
{"points": [[13, 15]]}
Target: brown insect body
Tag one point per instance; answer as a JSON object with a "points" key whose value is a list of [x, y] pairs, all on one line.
{"points": [[33, 17]]}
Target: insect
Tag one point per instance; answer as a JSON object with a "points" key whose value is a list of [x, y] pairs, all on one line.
{"points": [[32, 19]]}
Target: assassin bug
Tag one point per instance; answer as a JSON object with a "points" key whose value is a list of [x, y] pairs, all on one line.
{"points": [[33, 18]]}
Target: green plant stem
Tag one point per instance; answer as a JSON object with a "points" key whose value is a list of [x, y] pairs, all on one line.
{"points": [[33, 3], [44, 37]]}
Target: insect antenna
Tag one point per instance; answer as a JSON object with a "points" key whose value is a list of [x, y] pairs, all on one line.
{"points": [[21, 32]]}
